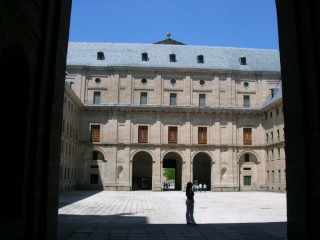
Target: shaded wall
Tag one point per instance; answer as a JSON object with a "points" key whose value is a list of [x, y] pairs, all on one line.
{"points": [[33, 44], [299, 41]]}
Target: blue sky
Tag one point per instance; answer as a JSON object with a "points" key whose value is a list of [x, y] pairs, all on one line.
{"points": [[230, 23]]}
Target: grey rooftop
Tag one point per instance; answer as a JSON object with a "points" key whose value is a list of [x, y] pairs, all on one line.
{"points": [[130, 55]]}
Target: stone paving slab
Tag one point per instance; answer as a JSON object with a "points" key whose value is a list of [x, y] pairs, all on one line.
{"points": [[161, 215]]}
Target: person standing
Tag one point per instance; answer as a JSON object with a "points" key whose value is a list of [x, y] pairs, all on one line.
{"points": [[190, 204], [204, 187]]}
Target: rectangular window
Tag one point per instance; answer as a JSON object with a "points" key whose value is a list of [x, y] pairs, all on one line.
{"points": [[272, 153], [143, 98], [173, 135], [143, 134], [247, 180], [267, 138], [96, 97], [268, 177], [279, 155], [246, 157], [246, 100], [94, 178], [247, 136], [144, 57], [173, 99], [202, 99], [202, 135], [278, 135], [272, 137], [172, 58], [279, 175], [272, 175], [95, 133], [267, 154]]}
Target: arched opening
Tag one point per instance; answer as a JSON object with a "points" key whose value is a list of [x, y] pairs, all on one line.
{"points": [[173, 161], [92, 165], [248, 172], [202, 169], [142, 171]]}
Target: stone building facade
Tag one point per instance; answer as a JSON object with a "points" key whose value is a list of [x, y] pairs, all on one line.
{"points": [[213, 114]]}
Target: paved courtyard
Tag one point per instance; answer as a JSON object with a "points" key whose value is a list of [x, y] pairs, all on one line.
{"points": [[161, 215]]}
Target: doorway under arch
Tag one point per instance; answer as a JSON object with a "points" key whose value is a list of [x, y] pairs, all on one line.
{"points": [[202, 169], [248, 172], [174, 161], [142, 171]]}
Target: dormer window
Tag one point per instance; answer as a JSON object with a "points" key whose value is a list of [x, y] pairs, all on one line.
{"points": [[200, 59], [172, 58], [243, 61], [144, 57], [100, 56]]}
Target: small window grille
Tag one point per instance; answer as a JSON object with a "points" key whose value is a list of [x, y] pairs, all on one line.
{"points": [[172, 58], [200, 59], [144, 57], [243, 61], [100, 56]]}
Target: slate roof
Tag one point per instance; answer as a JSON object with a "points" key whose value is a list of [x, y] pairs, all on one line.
{"points": [[129, 54]]}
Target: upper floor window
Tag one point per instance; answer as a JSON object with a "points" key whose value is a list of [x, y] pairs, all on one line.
{"points": [[278, 134], [172, 58], [96, 97], [246, 100], [143, 134], [200, 59], [202, 82], [173, 99], [143, 98], [100, 56], [173, 135], [95, 133], [202, 99], [144, 57], [247, 136], [202, 135]]}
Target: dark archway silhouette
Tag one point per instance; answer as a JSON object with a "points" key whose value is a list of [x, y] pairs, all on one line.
{"points": [[142, 171], [202, 169]]}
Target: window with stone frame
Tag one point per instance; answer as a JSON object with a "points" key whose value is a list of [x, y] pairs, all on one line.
{"points": [[143, 134], [202, 99], [173, 99], [95, 133], [173, 135], [202, 135], [247, 136], [143, 98]]}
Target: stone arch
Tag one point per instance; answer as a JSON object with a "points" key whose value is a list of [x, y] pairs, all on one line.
{"points": [[92, 165], [142, 163], [173, 159], [248, 171]]}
